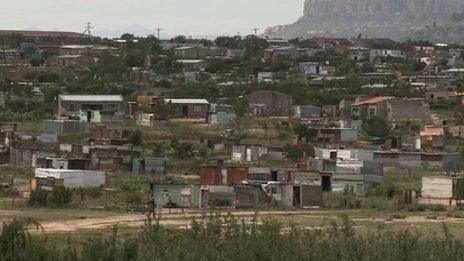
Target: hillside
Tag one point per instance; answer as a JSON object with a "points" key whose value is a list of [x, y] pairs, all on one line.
{"points": [[372, 18]]}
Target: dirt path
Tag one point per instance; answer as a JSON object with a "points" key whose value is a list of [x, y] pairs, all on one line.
{"points": [[179, 219]]}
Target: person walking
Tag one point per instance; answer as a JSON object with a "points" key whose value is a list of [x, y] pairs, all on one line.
{"points": [[152, 207]]}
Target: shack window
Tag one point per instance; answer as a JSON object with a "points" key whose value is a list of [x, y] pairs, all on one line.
{"points": [[197, 108], [71, 107], [113, 107]]}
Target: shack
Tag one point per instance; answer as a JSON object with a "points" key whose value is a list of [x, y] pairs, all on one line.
{"points": [[189, 108], [63, 126], [74, 178], [149, 166], [442, 190], [176, 195]]}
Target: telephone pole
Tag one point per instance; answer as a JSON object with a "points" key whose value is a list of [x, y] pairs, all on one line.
{"points": [[88, 30], [158, 32], [255, 30]]}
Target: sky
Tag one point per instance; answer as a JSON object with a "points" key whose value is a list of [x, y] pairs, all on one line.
{"points": [[189, 17]]}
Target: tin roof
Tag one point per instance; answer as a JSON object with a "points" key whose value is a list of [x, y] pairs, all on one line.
{"points": [[187, 101], [93, 98]]}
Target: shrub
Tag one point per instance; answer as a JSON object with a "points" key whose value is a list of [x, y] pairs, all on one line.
{"points": [[38, 198], [60, 197]]}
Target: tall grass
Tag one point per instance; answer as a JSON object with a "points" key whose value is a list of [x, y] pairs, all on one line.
{"points": [[226, 238]]}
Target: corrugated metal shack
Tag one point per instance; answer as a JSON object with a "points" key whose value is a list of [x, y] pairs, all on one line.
{"points": [[68, 163], [29, 157], [248, 152], [149, 166], [181, 195], [74, 178], [418, 159], [220, 114], [216, 175], [63, 126]]}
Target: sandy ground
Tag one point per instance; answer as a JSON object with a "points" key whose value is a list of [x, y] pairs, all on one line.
{"points": [[181, 219]]}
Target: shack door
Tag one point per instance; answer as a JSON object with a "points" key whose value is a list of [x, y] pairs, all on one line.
{"points": [[326, 183], [296, 196], [185, 110]]}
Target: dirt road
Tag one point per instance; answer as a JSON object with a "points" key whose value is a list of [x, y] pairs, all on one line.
{"points": [[76, 220]]}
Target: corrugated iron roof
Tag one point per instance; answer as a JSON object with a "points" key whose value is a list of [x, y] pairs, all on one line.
{"points": [[187, 101], [94, 98]]}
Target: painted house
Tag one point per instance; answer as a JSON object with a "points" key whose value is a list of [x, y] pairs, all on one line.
{"points": [[189, 108], [392, 109], [110, 107]]}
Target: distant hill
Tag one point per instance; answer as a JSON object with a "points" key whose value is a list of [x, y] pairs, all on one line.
{"points": [[397, 19]]}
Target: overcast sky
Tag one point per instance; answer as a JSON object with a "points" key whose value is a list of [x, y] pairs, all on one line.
{"points": [[176, 16]]}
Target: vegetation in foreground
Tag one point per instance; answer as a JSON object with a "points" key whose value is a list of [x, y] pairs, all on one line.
{"points": [[226, 238]]}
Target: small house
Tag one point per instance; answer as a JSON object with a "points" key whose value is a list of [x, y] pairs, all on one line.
{"points": [[189, 108], [110, 107]]}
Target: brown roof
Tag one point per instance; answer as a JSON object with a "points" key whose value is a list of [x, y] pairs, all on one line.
{"points": [[53, 34], [432, 131], [372, 101]]}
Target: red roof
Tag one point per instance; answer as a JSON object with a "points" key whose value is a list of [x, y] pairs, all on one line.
{"points": [[53, 34], [372, 101]]}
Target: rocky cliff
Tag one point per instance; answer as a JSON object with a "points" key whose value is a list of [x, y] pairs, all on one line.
{"points": [[372, 18]]}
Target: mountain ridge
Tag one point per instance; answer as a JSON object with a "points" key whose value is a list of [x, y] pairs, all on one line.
{"points": [[373, 18]]}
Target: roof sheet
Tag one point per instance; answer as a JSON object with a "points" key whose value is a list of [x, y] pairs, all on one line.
{"points": [[372, 100], [95, 98], [187, 101]]}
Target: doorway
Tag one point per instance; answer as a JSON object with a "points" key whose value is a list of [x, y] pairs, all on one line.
{"points": [[296, 196], [326, 183], [185, 110]]}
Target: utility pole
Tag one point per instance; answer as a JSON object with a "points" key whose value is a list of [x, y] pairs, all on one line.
{"points": [[158, 32], [88, 30], [255, 30]]}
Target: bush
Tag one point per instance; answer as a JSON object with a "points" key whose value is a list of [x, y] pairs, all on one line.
{"points": [[60, 197], [135, 137], [38, 198], [215, 237]]}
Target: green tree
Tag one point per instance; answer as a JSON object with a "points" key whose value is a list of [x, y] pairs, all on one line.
{"points": [[376, 127], [295, 152], [135, 137]]}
